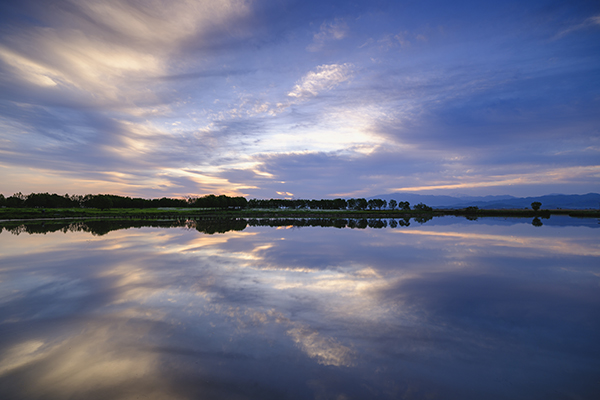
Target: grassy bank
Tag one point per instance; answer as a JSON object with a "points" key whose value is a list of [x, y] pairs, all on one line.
{"points": [[7, 214]]}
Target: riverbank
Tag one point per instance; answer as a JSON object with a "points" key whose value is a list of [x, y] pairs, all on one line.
{"points": [[26, 214]]}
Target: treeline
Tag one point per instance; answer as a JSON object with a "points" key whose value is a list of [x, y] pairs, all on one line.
{"points": [[336, 204], [106, 201]]}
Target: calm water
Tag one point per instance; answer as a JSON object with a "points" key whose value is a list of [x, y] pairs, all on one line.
{"points": [[448, 309]]}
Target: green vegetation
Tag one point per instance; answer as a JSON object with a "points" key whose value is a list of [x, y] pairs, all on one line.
{"points": [[423, 207], [44, 206], [106, 201]]}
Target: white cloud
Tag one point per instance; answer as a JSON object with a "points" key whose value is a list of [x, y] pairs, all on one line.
{"points": [[107, 51], [27, 69], [335, 30], [326, 77], [151, 22]]}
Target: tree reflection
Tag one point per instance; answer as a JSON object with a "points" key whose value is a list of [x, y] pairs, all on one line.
{"points": [[205, 225]]}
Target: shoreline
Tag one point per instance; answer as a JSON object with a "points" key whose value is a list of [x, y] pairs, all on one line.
{"points": [[32, 214]]}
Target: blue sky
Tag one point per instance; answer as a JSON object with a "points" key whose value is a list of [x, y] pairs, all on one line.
{"points": [[299, 98]]}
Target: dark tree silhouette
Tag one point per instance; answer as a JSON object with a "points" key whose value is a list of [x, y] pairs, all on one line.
{"points": [[361, 204], [404, 205], [100, 201], [16, 200], [422, 207]]}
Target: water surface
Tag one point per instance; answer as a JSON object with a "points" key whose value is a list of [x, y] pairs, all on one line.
{"points": [[493, 308]]}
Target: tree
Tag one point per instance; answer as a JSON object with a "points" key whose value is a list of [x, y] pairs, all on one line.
{"points": [[340, 204], [376, 204], [351, 204], [49, 200], [100, 201], [361, 204], [16, 200], [422, 207], [392, 204], [536, 205], [404, 205], [371, 204]]}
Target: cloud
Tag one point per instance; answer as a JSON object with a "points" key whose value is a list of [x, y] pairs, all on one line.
{"points": [[587, 23], [110, 51], [83, 89], [541, 175], [309, 174], [329, 31], [111, 93], [146, 22], [326, 77]]}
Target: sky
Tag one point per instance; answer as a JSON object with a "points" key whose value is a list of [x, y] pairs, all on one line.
{"points": [[299, 99]]}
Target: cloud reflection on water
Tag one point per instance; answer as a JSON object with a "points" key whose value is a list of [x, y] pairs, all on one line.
{"points": [[444, 311]]}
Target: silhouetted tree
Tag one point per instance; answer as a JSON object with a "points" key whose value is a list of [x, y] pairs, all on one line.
{"points": [[340, 204], [404, 205], [361, 204], [376, 204], [100, 201], [50, 201], [371, 204], [536, 205], [392, 204], [422, 207], [16, 200]]}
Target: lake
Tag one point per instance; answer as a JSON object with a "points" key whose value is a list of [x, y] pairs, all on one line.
{"points": [[442, 309]]}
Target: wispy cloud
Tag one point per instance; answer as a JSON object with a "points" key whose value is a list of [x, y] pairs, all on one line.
{"points": [[590, 22], [329, 31], [326, 77], [109, 51]]}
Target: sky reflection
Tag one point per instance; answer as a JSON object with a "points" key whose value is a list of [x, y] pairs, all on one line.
{"points": [[453, 309]]}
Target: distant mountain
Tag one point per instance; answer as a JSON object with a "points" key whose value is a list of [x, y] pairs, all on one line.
{"points": [[551, 201]]}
